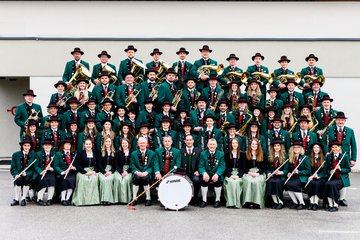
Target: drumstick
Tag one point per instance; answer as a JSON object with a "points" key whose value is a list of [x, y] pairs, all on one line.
{"points": [[137, 197]]}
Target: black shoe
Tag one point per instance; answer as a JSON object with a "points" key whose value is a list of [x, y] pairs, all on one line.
{"points": [[315, 207], [333, 209], [64, 203], [14, 203], [279, 206], [41, 203], [133, 203], [203, 204], [301, 207], [68, 203], [217, 204], [49, 202], [294, 206], [148, 203], [343, 203], [34, 199], [275, 205], [310, 207], [23, 203]]}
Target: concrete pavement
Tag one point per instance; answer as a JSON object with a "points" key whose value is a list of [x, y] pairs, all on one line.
{"points": [[117, 222]]}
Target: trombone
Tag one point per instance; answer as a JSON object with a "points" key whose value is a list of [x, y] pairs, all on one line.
{"points": [[131, 97]]}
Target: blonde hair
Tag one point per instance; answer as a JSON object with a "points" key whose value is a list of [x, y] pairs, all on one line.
{"points": [[292, 154], [291, 116], [281, 154], [103, 148], [259, 151], [77, 93]]}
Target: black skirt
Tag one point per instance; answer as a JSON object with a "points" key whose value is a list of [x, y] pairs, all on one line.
{"points": [[316, 187], [275, 186], [69, 182], [23, 181], [332, 189], [48, 181], [294, 184]]}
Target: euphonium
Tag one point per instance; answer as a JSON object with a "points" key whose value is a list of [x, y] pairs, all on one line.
{"points": [[131, 97], [308, 79], [177, 98], [136, 69], [82, 71], [242, 130], [261, 74], [111, 73], [205, 69]]}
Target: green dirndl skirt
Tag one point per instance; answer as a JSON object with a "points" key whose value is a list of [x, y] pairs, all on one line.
{"points": [[86, 190], [122, 187], [254, 190], [232, 192], [106, 186]]}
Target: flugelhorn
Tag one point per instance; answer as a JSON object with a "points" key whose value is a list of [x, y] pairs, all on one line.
{"points": [[62, 101], [205, 69], [177, 98], [131, 97], [33, 116]]}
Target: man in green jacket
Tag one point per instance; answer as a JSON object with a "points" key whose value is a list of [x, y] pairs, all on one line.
{"points": [[259, 68], [304, 136], [104, 65], [183, 68], [167, 157], [124, 91], [283, 70], [105, 89], [127, 64], [205, 59], [167, 89], [226, 77], [142, 164], [310, 70], [155, 63], [72, 66], [212, 168], [27, 110]]}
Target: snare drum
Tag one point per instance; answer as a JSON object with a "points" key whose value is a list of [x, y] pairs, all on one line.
{"points": [[175, 192]]}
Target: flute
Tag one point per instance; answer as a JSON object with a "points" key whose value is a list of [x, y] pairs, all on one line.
{"points": [[47, 168], [272, 174], [17, 176], [292, 173], [331, 175], [71, 164], [314, 174]]}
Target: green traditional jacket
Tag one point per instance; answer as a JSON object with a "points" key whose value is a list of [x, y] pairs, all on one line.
{"points": [[188, 101], [279, 72], [39, 165], [304, 169], [217, 167], [122, 92], [17, 164], [45, 124], [165, 92], [160, 159], [283, 136], [310, 139], [194, 72], [271, 168], [264, 81], [309, 98], [344, 166], [195, 117], [55, 98], [97, 69], [124, 68], [22, 114], [48, 135], [159, 134], [224, 77], [206, 93], [99, 93], [182, 74], [158, 119], [70, 69], [147, 166], [348, 143], [205, 135], [60, 163], [146, 117]]}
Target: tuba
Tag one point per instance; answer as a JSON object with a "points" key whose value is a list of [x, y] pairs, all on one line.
{"points": [[162, 69], [308, 79], [177, 98], [136, 69], [131, 97], [285, 77], [205, 69], [81, 72], [232, 75], [109, 70]]}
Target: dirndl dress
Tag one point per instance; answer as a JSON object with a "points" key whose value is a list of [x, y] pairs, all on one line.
{"points": [[87, 189], [254, 189], [122, 187], [232, 192], [106, 186]]}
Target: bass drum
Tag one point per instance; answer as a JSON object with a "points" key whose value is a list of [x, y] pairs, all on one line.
{"points": [[175, 192]]}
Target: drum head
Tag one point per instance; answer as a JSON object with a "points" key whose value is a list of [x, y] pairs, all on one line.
{"points": [[175, 192]]}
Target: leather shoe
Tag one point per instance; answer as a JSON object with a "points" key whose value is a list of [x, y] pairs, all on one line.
{"points": [[203, 204], [300, 207], [294, 206], [14, 203], [217, 204], [333, 209], [148, 203], [279, 206], [49, 202], [41, 203], [23, 203], [64, 203], [275, 205], [310, 207], [315, 207], [343, 203]]}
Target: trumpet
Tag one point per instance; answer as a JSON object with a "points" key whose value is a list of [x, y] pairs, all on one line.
{"points": [[205, 69], [136, 69], [62, 101], [242, 130], [154, 91], [131, 97], [82, 71], [111, 72], [232, 75], [33, 116], [177, 98]]}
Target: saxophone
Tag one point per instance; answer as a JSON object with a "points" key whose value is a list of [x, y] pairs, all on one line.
{"points": [[243, 128]]}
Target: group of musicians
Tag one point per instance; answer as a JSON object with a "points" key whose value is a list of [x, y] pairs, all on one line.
{"points": [[215, 124]]}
